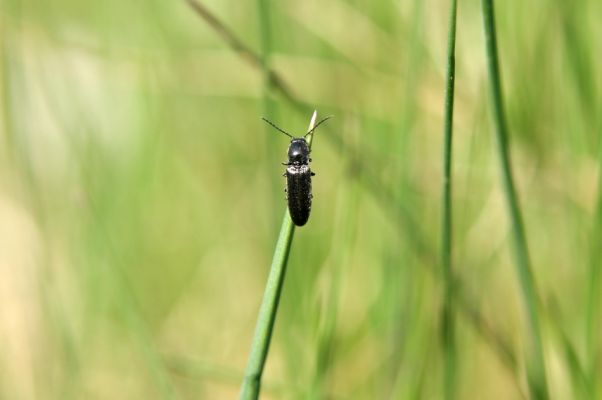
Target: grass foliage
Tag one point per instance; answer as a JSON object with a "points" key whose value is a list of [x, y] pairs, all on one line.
{"points": [[140, 199]]}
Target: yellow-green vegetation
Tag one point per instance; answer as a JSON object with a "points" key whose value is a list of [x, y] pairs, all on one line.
{"points": [[141, 199]]}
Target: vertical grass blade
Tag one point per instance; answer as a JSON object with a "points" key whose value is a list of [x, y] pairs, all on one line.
{"points": [[593, 291], [251, 384], [267, 102], [449, 345], [266, 50], [535, 358]]}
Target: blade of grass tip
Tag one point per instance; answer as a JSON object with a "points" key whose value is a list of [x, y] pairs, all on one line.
{"points": [[269, 306], [449, 345], [536, 373]]}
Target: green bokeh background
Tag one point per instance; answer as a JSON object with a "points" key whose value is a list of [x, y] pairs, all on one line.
{"points": [[141, 197]]}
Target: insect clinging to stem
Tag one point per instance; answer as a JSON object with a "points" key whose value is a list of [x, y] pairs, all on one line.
{"points": [[298, 175]]}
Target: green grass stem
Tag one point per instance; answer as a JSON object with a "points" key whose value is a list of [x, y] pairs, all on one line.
{"points": [[449, 345], [267, 101], [251, 385], [266, 45], [535, 359], [593, 290]]}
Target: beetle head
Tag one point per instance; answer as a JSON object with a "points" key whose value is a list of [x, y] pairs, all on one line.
{"points": [[298, 151]]}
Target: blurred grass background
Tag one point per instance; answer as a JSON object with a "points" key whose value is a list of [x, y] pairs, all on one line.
{"points": [[140, 198]]}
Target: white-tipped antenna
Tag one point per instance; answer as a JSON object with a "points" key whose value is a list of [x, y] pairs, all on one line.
{"points": [[281, 130], [316, 125]]}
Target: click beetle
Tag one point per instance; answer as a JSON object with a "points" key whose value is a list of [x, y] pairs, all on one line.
{"points": [[298, 175]]}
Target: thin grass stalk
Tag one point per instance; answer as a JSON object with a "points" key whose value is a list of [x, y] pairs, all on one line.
{"points": [[251, 384], [267, 102], [448, 318], [266, 46], [593, 291], [202, 370], [265, 55], [535, 359]]}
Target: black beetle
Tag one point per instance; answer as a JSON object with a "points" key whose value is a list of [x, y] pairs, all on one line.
{"points": [[298, 176]]}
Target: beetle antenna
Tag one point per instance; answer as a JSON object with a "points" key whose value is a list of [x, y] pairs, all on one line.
{"points": [[283, 131], [318, 124]]}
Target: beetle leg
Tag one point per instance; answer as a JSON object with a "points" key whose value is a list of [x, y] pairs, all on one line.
{"points": [[313, 174]]}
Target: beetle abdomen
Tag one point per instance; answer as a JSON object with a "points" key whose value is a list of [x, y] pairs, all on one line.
{"points": [[298, 189]]}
